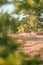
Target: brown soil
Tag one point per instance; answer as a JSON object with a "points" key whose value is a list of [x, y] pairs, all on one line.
{"points": [[30, 43]]}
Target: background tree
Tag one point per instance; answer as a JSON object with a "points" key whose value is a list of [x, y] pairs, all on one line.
{"points": [[33, 9]]}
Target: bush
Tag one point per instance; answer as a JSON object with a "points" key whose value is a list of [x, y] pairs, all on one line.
{"points": [[7, 45]]}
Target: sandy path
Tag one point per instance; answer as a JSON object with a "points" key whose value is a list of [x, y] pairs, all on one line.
{"points": [[31, 43]]}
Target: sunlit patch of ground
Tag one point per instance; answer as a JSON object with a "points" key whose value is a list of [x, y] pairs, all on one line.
{"points": [[31, 43]]}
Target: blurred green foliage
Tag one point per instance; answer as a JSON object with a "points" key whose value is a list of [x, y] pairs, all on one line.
{"points": [[32, 12], [7, 44], [20, 59], [32, 21], [9, 47], [3, 1]]}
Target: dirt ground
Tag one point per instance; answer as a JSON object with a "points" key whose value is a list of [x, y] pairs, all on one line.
{"points": [[30, 43]]}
